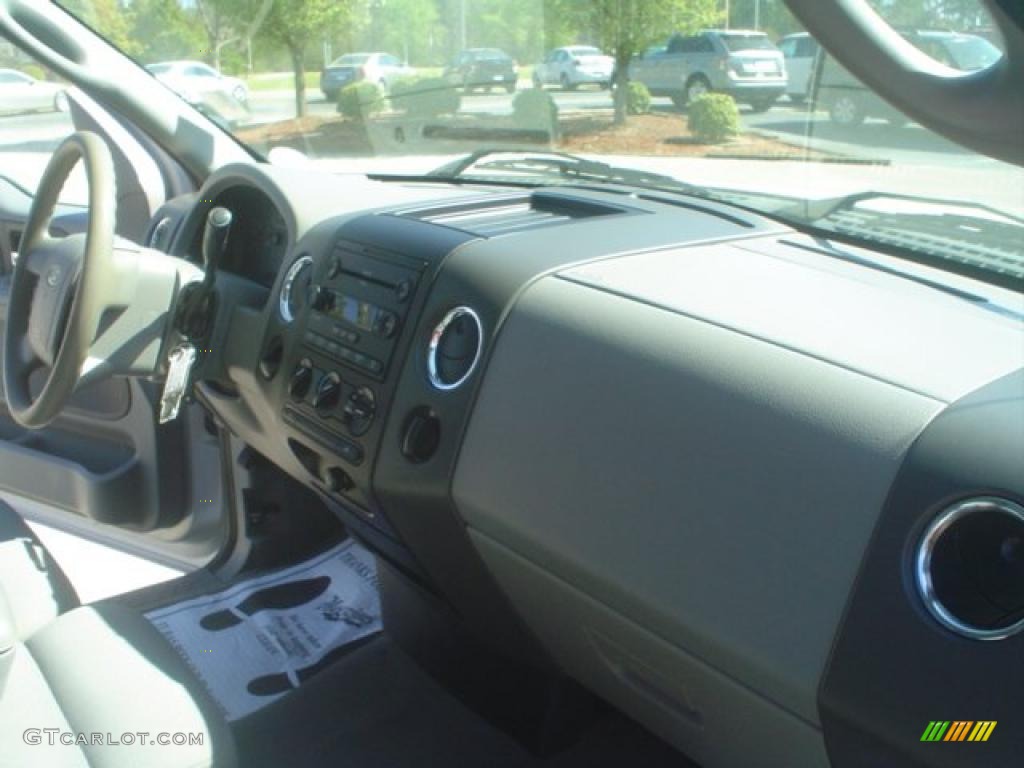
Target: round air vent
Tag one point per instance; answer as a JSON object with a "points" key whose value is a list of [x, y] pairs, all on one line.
{"points": [[454, 349], [295, 289], [970, 568]]}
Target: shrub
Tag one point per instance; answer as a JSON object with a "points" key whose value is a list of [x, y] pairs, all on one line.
{"points": [[534, 109], [358, 101], [714, 118], [638, 99], [425, 96]]}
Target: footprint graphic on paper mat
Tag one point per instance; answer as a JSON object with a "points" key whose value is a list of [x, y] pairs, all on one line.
{"points": [[276, 598], [271, 685]]}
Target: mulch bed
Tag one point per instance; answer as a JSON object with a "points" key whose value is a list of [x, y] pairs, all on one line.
{"points": [[660, 134]]}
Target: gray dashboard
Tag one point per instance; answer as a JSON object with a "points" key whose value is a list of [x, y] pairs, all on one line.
{"points": [[664, 467]]}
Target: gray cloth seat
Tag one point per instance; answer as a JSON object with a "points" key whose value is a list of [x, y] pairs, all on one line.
{"points": [[99, 687], [37, 590]]}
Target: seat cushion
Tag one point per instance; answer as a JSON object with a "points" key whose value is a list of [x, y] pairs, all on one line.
{"points": [[104, 669], [36, 588]]}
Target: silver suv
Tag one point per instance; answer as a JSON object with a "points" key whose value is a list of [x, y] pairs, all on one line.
{"points": [[742, 63]]}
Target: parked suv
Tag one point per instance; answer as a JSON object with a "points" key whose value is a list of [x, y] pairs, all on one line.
{"points": [[742, 63], [849, 101], [482, 68]]}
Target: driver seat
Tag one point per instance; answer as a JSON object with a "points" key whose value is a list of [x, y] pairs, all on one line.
{"points": [[95, 686]]}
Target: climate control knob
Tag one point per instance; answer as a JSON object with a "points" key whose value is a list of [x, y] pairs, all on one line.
{"points": [[359, 411], [301, 380], [328, 393]]}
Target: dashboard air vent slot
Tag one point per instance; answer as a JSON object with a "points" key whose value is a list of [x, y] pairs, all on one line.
{"points": [[505, 215]]}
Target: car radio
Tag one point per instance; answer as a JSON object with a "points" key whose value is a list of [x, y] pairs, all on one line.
{"points": [[358, 309]]}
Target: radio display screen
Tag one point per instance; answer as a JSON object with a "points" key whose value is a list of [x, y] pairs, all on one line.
{"points": [[361, 314]]}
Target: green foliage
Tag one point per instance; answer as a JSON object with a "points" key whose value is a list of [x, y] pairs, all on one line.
{"points": [[425, 96], [168, 30], [297, 23], [626, 27], [714, 118], [638, 99], [359, 101], [535, 110]]}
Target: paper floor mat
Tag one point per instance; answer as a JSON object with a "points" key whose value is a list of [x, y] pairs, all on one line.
{"points": [[261, 638]]}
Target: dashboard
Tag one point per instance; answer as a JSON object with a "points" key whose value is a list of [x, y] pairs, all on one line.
{"points": [[718, 471]]}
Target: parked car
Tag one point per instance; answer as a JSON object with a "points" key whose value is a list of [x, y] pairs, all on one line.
{"points": [[482, 68], [800, 51], [377, 67], [574, 65], [23, 93], [195, 81], [741, 63], [849, 101]]}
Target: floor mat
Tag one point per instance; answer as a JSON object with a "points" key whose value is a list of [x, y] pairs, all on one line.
{"points": [[261, 638]]}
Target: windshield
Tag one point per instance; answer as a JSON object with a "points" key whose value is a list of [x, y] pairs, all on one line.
{"points": [[736, 43], [785, 139], [971, 53]]}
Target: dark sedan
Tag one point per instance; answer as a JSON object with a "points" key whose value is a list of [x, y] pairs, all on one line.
{"points": [[483, 68]]}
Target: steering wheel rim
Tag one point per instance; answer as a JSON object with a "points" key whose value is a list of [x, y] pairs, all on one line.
{"points": [[58, 278], [981, 110]]}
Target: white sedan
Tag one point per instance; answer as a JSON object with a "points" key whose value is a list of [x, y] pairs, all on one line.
{"points": [[195, 81], [573, 66], [21, 93]]}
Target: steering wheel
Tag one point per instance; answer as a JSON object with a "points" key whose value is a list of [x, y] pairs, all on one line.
{"points": [[87, 306], [58, 288], [982, 110]]}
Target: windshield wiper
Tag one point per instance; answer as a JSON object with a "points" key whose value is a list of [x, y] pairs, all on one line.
{"points": [[558, 167], [966, 237]]}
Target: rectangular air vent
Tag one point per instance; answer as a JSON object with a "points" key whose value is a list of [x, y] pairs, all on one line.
{"points": [[505, 215]]}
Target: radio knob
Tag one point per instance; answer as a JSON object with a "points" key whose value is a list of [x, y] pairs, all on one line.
{"points": [[328, 393], [321, 299], [302, 378]]}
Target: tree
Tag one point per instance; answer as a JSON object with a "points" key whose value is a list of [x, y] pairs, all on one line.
{"points": [[109, 18], [627, 27], [230, 21], [296, 23], [772, 16], [956, 14], [169, 31]]}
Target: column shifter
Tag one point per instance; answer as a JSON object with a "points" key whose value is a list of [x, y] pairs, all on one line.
{"points": [[197, 305]]}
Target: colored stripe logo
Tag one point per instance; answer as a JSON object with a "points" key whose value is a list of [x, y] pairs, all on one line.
{"points": [[958, 730]]}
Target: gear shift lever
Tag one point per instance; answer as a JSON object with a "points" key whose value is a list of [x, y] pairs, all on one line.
{"points": [[197, 303], [215, 239]]}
